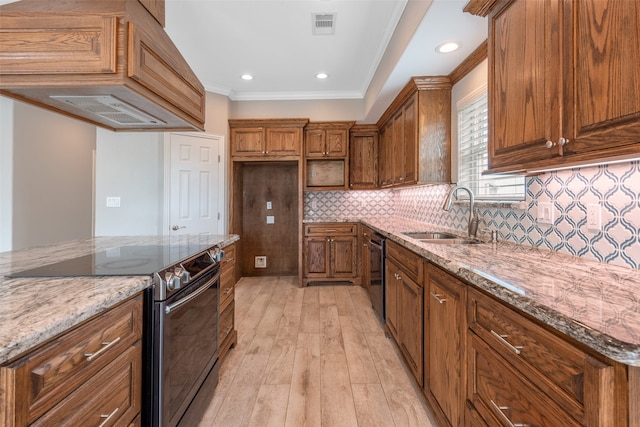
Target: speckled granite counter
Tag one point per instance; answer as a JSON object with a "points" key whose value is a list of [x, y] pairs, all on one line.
{"points": [[594, 303], [33, 310]]}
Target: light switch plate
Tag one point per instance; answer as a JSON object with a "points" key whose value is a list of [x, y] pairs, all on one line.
{"points": [[269, 206], [113, 202], [271, 219], [546, 214]]}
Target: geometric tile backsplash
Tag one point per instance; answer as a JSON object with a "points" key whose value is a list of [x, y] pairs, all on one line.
{"points": [[615, 188]]}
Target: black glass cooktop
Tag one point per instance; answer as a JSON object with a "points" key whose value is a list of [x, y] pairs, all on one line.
{"points": [[119, 261]]}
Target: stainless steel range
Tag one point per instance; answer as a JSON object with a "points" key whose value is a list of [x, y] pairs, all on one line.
{"points": [[181, 318]]}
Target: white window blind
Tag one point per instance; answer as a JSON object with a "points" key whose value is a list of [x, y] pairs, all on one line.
{"points": [[473, 134]]}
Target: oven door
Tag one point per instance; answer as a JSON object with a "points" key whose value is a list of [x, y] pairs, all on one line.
{"points": [[186, 348]]}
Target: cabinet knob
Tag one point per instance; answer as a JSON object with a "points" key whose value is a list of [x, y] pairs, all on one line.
{"points": [[550, 144], [563, 141]]}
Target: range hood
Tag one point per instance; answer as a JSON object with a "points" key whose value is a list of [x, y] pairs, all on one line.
{"points": [[107, 62]]}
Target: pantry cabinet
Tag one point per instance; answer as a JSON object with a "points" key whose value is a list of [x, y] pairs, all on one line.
{"points": [[363, 157], [562, 84], [415, 134], [266, 139], [330, 252]]}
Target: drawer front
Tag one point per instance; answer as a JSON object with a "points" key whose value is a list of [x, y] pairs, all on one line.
{"points": [[498, 391], [110, 398], [49, 374], [411, 261], [227, 282], [226, 322], [330, 229]]}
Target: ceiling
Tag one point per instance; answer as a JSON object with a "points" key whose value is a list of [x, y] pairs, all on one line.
{"points": [[376, 47]]}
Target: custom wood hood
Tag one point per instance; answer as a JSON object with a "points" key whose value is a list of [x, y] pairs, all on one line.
{"points": [[109, 63]]}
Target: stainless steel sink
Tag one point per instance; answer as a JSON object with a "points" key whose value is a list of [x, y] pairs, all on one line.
{"points": [[441, 238]]}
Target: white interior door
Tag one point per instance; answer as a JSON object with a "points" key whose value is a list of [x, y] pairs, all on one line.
{"points": [[196, 184]]}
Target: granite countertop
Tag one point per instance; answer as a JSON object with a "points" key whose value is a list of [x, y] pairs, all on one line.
{"points": [[597, 304], [34, 310]]}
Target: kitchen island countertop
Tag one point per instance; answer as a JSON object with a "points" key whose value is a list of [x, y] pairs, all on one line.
{"points": [[34, 310], [597, 304]]}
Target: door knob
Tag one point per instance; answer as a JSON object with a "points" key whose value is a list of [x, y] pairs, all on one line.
{"points": [[176, 228]]}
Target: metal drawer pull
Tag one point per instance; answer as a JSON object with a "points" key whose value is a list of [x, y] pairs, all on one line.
{"points": [[437, 297], [515, 348], [107, 418], [105, 346], [228, 291], [499, 410], [330, 231]]}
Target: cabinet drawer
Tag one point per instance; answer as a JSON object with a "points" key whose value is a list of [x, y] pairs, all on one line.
{"points": [[411, 261], [564, 372], [110, 398], [226, 322], [330, 229], [501, 392], [49, 374]]}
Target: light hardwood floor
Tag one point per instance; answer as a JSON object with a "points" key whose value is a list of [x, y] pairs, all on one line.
{"points": [[313, 356]]}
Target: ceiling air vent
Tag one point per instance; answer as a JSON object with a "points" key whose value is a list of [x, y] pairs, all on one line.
{"points": [[323, 24], [110, 108]]}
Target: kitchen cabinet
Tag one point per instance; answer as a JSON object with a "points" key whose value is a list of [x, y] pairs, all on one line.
{"points": [[562, 84], [404, 305], [227, 335], [415, 134], [522, 371], [88, 375], [363, 157], [266, 139], [326, 155], [445, 329], [330, 252], [156, 8], [365, 256]]}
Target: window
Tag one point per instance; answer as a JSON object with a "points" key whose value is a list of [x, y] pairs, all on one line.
{"points": [[473, 134]]}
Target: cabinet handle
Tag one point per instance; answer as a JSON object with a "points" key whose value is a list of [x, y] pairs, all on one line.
{"points": [[563, 141], [266, 152], [226, 331], [105, 347], [228, 291], [506, 419], [107, 418], [329, 231], [398, 277], [437, 297], [515, 348], [549, 144]]}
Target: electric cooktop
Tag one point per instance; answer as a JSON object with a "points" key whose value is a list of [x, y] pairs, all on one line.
{"points": [[118, 261]]}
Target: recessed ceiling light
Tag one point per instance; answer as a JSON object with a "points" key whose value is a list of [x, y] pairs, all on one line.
{"points": [[322, 76], [448, 47], [246, 77]]}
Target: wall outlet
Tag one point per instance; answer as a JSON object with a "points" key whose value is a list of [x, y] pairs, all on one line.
{"points": [[113, 202], [271, 219], [261, 262], [546, 214], [594, 217]]}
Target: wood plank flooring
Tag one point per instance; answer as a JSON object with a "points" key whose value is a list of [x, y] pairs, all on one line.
{"points": [[313, 356]]}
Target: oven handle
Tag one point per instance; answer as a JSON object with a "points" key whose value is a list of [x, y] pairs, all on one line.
{"points": [[188, 298], [376, 243]]}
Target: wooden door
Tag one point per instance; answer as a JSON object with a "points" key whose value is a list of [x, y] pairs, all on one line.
{"points": [[283, 141], [446, 310], [336, 142], [392, 295], [363, 161], [397, 149], [316, 251], [410, 141], [524, 82], [603, 80], [314, 143], [386, 155], [247, 141], [411, 325], [343, 256]]}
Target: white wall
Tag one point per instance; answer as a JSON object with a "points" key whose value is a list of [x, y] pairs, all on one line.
{"points": [[6, 173], [315, 110]]}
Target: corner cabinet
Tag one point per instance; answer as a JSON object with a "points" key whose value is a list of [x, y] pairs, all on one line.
{"points": [[415, 134], [266, 139], [363, 157], [562, 85], [87, 376], [331, 253]]}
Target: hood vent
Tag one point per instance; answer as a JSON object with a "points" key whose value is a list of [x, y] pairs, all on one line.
{"points": [[323, 24], [110, 108]]}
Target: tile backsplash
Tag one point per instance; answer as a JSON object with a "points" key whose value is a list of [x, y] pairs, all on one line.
{"points": [[614, 189]]}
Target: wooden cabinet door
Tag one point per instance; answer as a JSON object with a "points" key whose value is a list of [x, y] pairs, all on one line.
{"points": [[317, 257], [392, 294], [283, 141], [343, 256], [336, 142], [397, 149], [411, 332], [386, 155], [363, 161], [314, 143], [524, 82], [365, 256], [247, 141], [410, 141], [446, 307], [602, 81]]}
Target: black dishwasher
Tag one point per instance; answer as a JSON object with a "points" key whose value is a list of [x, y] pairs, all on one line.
{"points": [[376, 274]]}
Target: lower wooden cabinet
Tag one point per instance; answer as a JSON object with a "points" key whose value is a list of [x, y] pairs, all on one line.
{"points": [[227, 335], [86, 376], [331, 252]]}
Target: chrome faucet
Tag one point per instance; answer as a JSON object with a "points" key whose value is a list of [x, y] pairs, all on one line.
{"points": [[472, 228]]}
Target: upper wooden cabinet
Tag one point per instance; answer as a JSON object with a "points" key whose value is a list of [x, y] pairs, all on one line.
{"points": [[363, 157], [562, 83], [267, 138], [155, 8], [327, 139], [415, 134]]}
